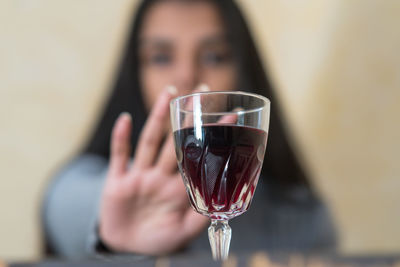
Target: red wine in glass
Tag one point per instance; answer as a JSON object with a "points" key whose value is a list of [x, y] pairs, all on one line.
{"points": [[221, 169]]}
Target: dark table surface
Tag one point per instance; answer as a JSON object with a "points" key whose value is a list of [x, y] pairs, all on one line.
{"points": [[254, 259]]}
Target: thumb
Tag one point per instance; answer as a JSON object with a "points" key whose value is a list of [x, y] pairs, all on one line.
{"points": [[194, 223]]}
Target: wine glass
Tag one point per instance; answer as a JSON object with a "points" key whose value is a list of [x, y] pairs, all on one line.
{"points": [[220, 140]]}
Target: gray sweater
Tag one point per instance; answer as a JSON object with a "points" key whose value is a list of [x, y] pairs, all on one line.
{"points": [[278, 219]]}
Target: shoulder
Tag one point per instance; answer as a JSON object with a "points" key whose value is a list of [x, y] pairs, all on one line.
{"points": [[300, 212], [85, 163]]}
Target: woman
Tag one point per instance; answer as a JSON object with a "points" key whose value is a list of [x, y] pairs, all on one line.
{"points": [[103, 201]]}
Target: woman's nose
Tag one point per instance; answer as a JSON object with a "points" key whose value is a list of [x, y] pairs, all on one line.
{"points": [[186, 76]]}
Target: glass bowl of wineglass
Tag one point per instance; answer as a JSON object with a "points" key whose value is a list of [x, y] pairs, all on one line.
{"points": [[220, 140]]}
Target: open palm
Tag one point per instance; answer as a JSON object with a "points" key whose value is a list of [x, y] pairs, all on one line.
{"points": [[144, 205]]}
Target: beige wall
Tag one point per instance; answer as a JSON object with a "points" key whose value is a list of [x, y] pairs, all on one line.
{"points": [[335, 62], [56, 63], [338, 65]]}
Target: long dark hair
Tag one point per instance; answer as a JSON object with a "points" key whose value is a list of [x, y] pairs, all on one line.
{"points": [[280, 166]]}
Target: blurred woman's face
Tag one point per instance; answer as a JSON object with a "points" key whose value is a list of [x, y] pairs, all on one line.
{"points": [[184, 44]]}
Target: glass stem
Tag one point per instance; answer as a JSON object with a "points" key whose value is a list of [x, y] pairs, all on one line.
{"points": [[219, 234]]}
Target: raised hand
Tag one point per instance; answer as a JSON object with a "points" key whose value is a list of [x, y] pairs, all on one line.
{"points": [[144, 206]]}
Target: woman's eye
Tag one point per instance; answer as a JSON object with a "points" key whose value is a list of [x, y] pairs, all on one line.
{"points": [[160, 59], [213, 58]]}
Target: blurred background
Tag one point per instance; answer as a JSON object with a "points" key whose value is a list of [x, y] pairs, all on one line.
{"points": [[335, 63]]}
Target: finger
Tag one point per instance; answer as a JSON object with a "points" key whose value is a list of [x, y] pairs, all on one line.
{"points": [[120, 144], [188, 120], [228, 119], [167, 158], [153, 130], [201, 88]]}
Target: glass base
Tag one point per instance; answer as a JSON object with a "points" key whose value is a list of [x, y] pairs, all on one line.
{"points": [[219, 234]]}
